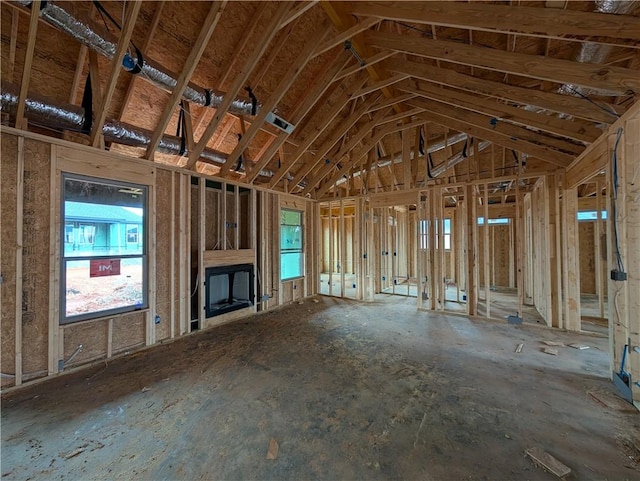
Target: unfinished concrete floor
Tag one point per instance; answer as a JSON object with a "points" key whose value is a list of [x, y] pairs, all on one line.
{"points": [[348, 390]]}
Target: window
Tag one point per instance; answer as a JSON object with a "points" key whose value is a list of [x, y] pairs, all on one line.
{"points": [[132, 234], [68, 234], [86, 234], [493, 221], [424, 234], [104, 253], [591, 215], [291, 252]]}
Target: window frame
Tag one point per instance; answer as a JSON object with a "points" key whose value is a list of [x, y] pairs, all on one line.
{"points": [[301, 251], [63, 318]]}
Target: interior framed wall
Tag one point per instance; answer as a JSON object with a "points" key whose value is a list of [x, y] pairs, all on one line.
{"points": [[194, 222]]}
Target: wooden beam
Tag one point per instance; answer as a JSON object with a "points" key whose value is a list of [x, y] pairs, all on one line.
{"points": [[510, 136], [288, 78], [247, 33], [378, 57], [145, 48], [381, 84], [328, 144], [28, 60], [355, 139], [298, 10], [343, 21], [198, 48], [281, 41], [116, 65], [339, 39], [587, 75], [595, 157], [312, 97], [502, 112], [406, 159], [533, 21], [314, 132], [82, 57], [573, 106], [260, 45], [15, 19]]}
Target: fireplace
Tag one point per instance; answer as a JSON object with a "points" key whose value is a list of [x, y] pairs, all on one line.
{"points": [[228, 288]]}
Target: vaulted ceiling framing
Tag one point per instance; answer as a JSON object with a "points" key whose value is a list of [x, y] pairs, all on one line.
{"points": [[527, 78]]}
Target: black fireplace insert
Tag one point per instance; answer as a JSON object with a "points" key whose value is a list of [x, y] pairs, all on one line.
{"points": [[228, 288]]}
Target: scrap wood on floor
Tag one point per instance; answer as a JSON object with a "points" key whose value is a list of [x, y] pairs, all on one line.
{"points": [[548, 462]]}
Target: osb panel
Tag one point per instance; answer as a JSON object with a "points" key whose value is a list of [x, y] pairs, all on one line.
{"points": [[36, 233], [54, 57], [501, 255], [8, 167], [163, 248], [128, 331], [91, 335], [587, 257], [211, 224]]}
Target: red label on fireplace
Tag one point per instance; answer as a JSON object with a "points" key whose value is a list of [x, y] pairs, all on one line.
{"points": [[104, 267]]}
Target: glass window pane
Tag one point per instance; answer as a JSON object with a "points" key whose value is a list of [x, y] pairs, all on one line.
{"points": [[104, 247], [102, 285], [291, 265]]}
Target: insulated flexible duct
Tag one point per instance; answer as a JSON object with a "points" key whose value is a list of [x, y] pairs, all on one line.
{"points": [[397, 158], [42, 111], [596, 52], [151, 70]]}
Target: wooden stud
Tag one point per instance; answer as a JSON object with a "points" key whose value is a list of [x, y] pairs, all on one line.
{"points": [[54, 263], [116, 66], [406, 159], [571, 260], [28, 60], [488, 260], [172, 259], [19, 255], [202, 219]]}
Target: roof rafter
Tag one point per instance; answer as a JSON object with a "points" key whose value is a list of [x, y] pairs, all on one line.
{"points": [[533, 21], [288, 78], [588, 75], [209, 25], [116, 67], [260, 45], [567, 104]]}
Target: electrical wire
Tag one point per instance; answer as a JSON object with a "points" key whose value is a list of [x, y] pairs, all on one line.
{"points": [[615, 199], [586, 97]]}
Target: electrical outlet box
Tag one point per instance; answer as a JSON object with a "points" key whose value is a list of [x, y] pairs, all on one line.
{"points": [[617, 275]]}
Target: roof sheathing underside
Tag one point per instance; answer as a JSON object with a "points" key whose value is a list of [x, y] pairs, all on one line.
{"points": [[56, 60]]}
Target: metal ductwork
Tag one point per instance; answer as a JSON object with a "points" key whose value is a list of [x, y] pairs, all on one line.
{"points": [[456, 159], [41, 111], [397, 157], [151, 70], [595, 52]]}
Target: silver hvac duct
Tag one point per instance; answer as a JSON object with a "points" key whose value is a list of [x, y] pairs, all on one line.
{"points": [[41, 111], [397, 158], [456, 159], [151, 71], [596, 52]]}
